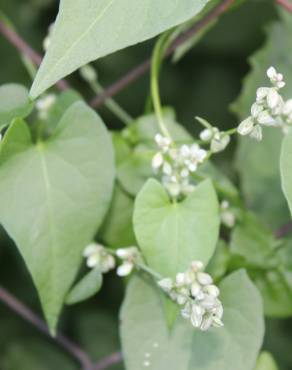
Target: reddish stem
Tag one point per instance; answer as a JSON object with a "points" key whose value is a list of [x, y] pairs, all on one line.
{"points": [[25, 49], [142, 68], [286, 4]]}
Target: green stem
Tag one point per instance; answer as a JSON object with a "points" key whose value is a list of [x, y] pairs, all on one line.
{"points": [[149, 271], [155, 68]]}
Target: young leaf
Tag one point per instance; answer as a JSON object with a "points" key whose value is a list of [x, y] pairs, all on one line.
{"points": [[171, 235], [87, 287], [86, 30], [266, 362], [146, 339], [53, 197], [14, 102]]}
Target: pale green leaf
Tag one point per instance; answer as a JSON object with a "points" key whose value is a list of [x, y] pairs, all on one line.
{"points": [[86, 30], [235, 346], [171, 235], [14, 102], [286, 168], [86, 288], [266, 362], [53, 197]]}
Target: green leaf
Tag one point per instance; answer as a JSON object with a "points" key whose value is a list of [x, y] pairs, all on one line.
{"points": [[171, 235], [269, 264], [266, 362], [258, 163], [53, 197], [286, 168], [89, 29], [14, 102], [235, 346], [117, 229], [63, 101], [86, 288]]}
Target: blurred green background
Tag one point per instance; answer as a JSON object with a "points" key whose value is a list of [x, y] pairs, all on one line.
{"points": [[204, 83]]}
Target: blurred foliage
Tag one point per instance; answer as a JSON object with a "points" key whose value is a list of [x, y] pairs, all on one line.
{"points": [[204, 83]]}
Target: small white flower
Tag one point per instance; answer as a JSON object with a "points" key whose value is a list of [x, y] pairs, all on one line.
{"points": [[167, 169], [228, 218], [43, 105], [125, 269], [262, 93], [246, 126], [256, 110], [129, 257], [204, 278], [273, 98], [206, 135], [163, 142], [97, 255], [166, 284], [275, 78], [197, 315], [257, 133], [157, 161], [197, 266], [219, 142], [265, 118]]}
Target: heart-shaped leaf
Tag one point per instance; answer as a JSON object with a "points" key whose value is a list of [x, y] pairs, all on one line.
{"points": [[89, 29], [147, 343], [53, 197], [171, 235]]}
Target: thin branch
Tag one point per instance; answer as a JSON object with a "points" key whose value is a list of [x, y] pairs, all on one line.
{"points": [[142, 68], [286, 4], [108, 361], [25, 49], [21, 310]]}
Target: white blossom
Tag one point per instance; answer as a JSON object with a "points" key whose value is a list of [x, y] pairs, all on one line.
{"points": [[227, 216], [97, 255], [219, 142], [129, 257], [275, 78], [196, 292], [175, 165], [43, 105], [206, 135], [269, 108]]}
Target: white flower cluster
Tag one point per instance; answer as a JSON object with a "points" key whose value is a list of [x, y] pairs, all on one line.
{"points": [[43, 106], [227, 216], [176, 164], [97, 255], [195, 290], [218, 140], [269, 109], [129, 256]]}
